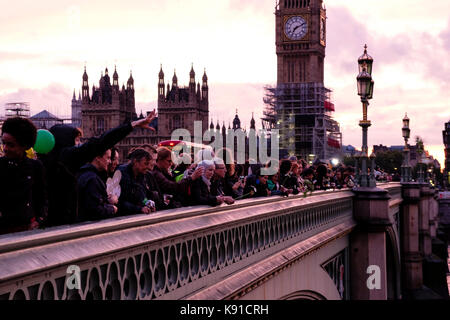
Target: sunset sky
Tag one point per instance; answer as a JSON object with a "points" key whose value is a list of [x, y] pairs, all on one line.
{"points": [[45, 45]]}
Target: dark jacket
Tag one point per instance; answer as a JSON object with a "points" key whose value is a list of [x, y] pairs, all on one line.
{"points": [[289, 182], [219, 187], [22, 192], [179, 190], [228, 187], [200, 194], [274, 188], [153, 191], [255, 185], [92, 197], [63, 163], [133, 192]]}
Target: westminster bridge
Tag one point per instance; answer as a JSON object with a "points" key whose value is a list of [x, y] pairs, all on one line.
{"points": [[379, 243]]}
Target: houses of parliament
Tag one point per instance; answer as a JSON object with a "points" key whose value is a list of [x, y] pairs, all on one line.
{"points": [[300, 105], [108, 105]]}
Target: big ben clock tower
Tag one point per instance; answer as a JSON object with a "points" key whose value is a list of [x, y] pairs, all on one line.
{"points": [[300, 41], [299, 106]]}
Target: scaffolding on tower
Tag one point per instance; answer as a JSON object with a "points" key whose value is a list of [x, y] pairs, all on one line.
{"points": [[17, 109], [303, 114]]}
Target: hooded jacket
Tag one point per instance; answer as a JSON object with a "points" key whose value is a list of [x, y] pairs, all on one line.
{"points": [[63, 163], [92, 197]]}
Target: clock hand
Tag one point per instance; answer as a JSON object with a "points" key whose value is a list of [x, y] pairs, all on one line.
{"points": [[299, 26]]}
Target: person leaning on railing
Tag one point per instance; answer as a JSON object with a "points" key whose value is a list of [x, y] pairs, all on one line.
{"points": [[219, 186], [287, 178], [152, 189], [133, 196], [93, 200], [66, 159], [23, 198], [235, 180], [176, 193], [201, 188], [256, 185]]}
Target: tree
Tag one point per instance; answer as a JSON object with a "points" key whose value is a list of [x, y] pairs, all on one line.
{"points": [[420, 150], [389, 161], [419, 145], [349, 161]]}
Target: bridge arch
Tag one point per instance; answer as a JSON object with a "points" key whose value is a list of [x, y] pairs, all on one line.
{"points": [[393, 264], [304, 295]]}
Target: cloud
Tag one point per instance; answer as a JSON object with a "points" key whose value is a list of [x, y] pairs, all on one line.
{"points": [[445, 36], [411, 73], [224, 99], [7, 55], [259, 6], [423, 54]]}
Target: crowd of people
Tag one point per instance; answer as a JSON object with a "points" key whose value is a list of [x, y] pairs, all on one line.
{"points": [[70, 183]]}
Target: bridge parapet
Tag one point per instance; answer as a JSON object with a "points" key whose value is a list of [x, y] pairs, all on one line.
{"points": [[167, 255]]}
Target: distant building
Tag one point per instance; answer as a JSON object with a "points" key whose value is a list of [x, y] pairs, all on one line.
{"points": [[348, 151], [223, 133], [45, 120], [446, 138], [76, 111], [300, 106], [109, 106], [17, 109], [179, 107], [413, 155]]}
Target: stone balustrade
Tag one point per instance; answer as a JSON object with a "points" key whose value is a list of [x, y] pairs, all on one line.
{"points": [[228, 251], [166, 255]]}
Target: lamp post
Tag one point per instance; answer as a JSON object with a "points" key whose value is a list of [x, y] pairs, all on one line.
{"points": [[406, 168], [365, 91]]}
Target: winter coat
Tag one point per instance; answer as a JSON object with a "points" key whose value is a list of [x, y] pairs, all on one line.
{"points": [[219, 187], [92, 197], [289, 182], [133, 192], [23, 192], [180, 190], [228, 187], [153, 191], [63, 163], [200, 194], [252, 184]]}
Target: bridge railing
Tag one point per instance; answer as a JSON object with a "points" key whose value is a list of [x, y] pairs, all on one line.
{"points": [[167, 255]]}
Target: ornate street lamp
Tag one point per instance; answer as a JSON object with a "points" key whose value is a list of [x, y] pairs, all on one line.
{"points": [[365, 91], [365, 61], [406, 168]]}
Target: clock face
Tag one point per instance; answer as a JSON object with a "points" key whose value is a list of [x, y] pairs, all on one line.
{"points": [[295, 28]]}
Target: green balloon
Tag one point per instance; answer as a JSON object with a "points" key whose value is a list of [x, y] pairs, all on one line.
{"points": [[45, 141]]}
